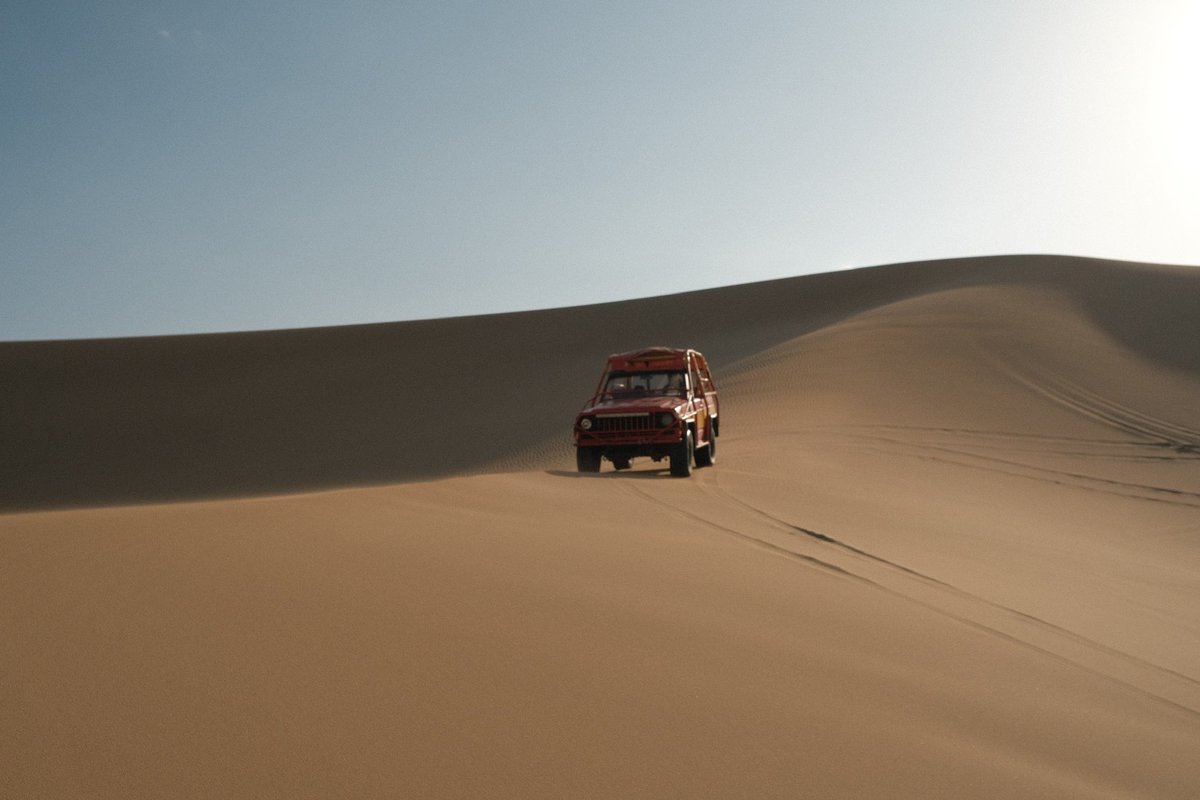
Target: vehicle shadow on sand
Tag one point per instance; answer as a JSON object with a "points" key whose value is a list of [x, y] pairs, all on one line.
{"points": [[641, 474]]}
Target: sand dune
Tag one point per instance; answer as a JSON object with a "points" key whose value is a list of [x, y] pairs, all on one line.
{"points": [[951, 548], [111, 421]]}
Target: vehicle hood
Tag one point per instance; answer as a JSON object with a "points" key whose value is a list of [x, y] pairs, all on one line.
{"points": [[635, 405]]}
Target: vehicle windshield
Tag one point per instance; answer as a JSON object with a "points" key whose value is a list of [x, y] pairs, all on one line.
{"points": [[645, 384]]}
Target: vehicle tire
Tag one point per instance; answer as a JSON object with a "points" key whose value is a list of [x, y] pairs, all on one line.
{"points": [[587, 459], [707, 456], [682, 455], [621, 463]]}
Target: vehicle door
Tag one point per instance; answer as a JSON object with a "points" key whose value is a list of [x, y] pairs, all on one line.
{"points": [[700, 401], [709, 389]]}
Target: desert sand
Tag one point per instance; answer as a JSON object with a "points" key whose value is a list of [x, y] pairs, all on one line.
{"points": [[951, 548]]}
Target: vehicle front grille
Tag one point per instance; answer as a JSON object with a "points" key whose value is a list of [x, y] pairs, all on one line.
{"points": [[622, 423]]}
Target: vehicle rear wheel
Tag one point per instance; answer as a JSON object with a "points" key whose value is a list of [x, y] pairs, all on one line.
{"points": [[682, 455], [587, 459], [707, 456], [621, 463]]}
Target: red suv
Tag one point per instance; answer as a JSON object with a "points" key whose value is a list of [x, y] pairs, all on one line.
{"points": [[658, 402]]}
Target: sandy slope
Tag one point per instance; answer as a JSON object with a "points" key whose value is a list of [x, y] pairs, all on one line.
{"points": [[951, 548]]}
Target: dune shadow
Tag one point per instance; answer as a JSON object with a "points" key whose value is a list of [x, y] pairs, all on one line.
{"points": [[118, 421]]}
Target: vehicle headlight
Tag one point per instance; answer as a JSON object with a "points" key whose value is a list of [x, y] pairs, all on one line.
{"points": [[665, 419], [586, 423]]}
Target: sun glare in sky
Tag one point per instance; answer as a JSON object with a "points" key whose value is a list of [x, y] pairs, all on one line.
{"points": [[1178, 91]]}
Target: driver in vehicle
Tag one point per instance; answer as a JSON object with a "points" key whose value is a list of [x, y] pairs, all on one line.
{"points": [[646, 383]]}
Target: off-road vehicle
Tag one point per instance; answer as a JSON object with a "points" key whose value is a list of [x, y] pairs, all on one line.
{"points": [[659, 402]]}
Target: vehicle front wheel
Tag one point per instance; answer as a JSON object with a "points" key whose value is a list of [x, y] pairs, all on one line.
{"points": [[682, 455], [587, 459]]}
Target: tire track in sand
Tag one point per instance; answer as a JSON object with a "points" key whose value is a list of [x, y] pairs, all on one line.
{"points": [[1058, 476], [1177, 436], [831, 554]]}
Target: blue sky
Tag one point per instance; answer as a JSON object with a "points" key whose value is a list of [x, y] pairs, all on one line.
{"points": [[184, 167]]}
